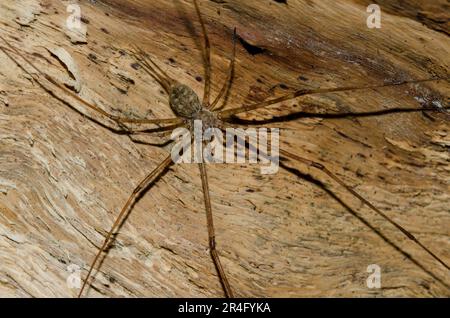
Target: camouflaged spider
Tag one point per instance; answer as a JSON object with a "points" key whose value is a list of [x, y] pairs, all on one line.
{"points": [[188, 107]]}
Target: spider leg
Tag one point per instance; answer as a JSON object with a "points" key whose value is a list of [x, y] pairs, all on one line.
{"points": [[211, 235], [229, 80], [206, 57], [152, 69], [305, 92], [146, 57], [145, 183], [160, 136], [155, 137], [325, 170], [158, 130], [157, 141], [118, 120]]}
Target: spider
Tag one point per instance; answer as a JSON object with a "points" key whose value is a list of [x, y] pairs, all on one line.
{"points": [[187, 107]]}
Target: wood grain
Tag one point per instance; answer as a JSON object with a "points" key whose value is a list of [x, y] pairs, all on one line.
{"points": [[64, 178]]}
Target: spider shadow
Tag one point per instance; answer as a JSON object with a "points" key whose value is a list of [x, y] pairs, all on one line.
{"points": [[348, 115], [299, 174], [330, 193]]}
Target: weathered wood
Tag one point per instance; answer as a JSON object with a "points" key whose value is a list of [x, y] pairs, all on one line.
{"points": [[64, 178]]}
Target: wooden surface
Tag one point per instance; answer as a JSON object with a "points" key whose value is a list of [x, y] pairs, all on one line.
{"points": [[64, 178]]}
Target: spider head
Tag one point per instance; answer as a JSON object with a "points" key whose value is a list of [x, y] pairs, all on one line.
{"points": [[184, 101]]}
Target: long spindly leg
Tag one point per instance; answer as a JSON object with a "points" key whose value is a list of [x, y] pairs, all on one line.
{"points": [[322, 168], [119, 120], [229, 80], [305, 92], [158, 131], [211, 234], [145, 183], [206, 57], [155, 137], [151, 68]]}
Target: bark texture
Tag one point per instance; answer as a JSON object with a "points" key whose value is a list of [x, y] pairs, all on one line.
{"points": [[64, 178]]}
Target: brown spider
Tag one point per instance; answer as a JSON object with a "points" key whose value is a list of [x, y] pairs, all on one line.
{"points": [[187, 107]]}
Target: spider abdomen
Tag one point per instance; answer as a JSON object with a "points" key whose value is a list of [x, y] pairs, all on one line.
{"points": [[184, 101]]}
